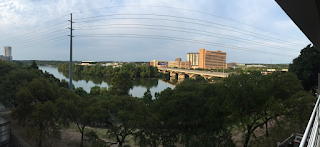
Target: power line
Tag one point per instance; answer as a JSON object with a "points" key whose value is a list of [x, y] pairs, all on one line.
{"points": [[43, 42], [33, 32], [40, 25], [181, 39], [32, 38], [32, 43], [190, 10], [184, 18], [196, 24], [219, 35]]}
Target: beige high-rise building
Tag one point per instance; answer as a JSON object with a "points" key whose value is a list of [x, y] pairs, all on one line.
{"points": [[212, 59], [194, 59], [7, 51], [7, 54]]}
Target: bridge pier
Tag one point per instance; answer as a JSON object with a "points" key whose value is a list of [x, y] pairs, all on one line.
{"points": [[172, 74], [181, 76], [192, 76]]}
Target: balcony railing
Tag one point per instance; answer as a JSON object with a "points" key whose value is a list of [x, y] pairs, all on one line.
{"points": [[312, 133]]}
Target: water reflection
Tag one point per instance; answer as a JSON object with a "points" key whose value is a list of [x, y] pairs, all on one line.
{"points": [[86, 82], [98, 80]]}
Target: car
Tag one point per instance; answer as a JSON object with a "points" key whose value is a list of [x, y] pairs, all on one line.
{"points": [[292, 141], [297, 139]]}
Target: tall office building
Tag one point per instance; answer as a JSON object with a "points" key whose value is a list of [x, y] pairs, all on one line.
{"points": [[212, 59], [7, 54], [7, 51], [194, 59]]}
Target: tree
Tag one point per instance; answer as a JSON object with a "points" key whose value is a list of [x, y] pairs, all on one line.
{"points": [[299, 105], [245, 99], [95, 90], [12, 82], [82, 112], [44, 122], [188, 112], [38, 90], [131, 115], [34, 65], [121, 83], [147, 98], [307, 67]]}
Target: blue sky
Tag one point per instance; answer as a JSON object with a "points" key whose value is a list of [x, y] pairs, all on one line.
{"points": [[249, 31]]}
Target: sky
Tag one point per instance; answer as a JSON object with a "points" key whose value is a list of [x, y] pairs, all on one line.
{"points": [[249, 31]]}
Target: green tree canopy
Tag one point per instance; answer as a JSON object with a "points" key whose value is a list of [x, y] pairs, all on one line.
{"points": [[121, 84], [307, 67]]}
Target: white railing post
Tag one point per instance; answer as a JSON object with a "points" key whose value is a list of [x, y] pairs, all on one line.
{"points": [[310, 138]]}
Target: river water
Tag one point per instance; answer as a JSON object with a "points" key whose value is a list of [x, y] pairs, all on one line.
{"points": [[140, 84]]}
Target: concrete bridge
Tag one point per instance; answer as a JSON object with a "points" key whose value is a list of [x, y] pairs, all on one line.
{"points": [[192, 73]]}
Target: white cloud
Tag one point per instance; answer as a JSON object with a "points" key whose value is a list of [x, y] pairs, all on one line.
{"points": [[19, 17]]}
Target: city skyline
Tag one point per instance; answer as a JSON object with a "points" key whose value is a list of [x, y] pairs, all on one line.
{"points": [[182, 30]]}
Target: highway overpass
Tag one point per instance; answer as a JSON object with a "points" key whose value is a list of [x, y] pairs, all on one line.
{"points": [[192, 73]]}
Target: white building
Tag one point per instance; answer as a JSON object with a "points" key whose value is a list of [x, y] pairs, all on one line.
{"points": [[7, 51], [7, 54]]}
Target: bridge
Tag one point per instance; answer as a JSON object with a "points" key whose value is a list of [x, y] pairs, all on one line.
{"points": [[192, 73]]}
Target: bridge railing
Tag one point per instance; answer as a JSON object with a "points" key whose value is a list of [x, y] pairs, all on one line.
{"points": [[312, 132]]}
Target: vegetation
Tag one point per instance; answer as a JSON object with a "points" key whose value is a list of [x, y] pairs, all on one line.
{"points": [[306, 67], [196, 112], [135, 71]]}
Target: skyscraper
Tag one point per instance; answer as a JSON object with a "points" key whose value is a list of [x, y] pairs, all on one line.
{"points": [[8, 53]]}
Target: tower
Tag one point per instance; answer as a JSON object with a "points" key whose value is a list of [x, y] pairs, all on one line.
{"points": [[8, 52]]}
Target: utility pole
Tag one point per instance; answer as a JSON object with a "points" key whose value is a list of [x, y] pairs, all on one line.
{"points": [[70, 69]]}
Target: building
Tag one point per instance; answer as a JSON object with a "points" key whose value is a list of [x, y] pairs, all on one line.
{"points": [[212, 59], [158, 63], [178, 64], [7, 51], [7, 54], [194, 59], [240, 65], [6, 58], [186, 65], [232, 64], [256, 66], [90, 63], [172, 64]]}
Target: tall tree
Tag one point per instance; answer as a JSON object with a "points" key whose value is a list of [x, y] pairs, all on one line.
{"points": [[131, 115], [34, 65], [121, 83], [44, 122], [307, 67], [81, 111]]}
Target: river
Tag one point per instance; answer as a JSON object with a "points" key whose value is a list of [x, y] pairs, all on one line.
{"points": [[140, 84]]}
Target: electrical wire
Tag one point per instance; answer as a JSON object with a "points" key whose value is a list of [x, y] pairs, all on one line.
{"points": [[190, 10], [233, 31], [181, 39], [183, 30], [43, 42], [55, 33], [41, 24], [32, 32], [183, 18]]}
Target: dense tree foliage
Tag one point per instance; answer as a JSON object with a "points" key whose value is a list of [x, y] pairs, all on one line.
{"points": [[307, 67], [121, 84], [187, 116], [135, 71], [197, 112]]}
